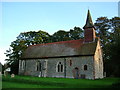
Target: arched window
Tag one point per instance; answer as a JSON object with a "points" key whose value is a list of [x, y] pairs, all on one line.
{"points": [[85, 67], [38, 66], [45, 65], [23, 65], [60, 67], [76, 68]]}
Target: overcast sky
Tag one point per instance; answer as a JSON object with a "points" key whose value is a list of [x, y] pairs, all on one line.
{"points": [[20, 17]]}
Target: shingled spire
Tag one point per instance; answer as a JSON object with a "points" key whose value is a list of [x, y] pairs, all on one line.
{"points": [[89, 29], [89, 23]]}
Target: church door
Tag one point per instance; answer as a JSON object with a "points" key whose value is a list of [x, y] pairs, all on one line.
{"points": [[76, 73]]}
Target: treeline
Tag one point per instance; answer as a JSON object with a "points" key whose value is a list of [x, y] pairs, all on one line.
{"points": [[107, 29]]}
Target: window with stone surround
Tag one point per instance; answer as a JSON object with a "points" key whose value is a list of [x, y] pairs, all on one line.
{"points": [[23, 65], [85, 67], [38, 66], [60, 67], [45, 65]]}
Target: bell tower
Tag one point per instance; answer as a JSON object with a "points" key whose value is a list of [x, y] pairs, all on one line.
{"points": [[89, 29]]}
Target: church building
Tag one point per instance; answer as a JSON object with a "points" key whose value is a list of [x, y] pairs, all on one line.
{"points": [[80, 58]]}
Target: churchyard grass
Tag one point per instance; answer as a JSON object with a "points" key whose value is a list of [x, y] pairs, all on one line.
{"points": [[38, 82]]}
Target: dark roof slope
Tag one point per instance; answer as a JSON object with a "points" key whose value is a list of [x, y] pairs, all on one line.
{"points": [[60, 49]]}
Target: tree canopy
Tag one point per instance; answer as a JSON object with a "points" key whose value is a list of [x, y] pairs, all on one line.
{"points": [[62, 35]]}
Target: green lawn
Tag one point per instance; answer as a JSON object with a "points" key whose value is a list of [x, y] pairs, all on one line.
{"points": [[36, 82]]}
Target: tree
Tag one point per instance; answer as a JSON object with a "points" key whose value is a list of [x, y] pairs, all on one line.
{"points": [[60, 35], [114, 47], [21, 43], [76, 33], [102, 26], [109, 32], [1, 68], [73, 34]]}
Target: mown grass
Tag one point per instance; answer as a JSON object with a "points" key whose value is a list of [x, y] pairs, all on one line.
{"points": [[37, 82]]}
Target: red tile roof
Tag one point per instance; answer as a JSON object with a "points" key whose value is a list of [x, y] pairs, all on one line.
{"points": [[58, 49], [73, 43]]}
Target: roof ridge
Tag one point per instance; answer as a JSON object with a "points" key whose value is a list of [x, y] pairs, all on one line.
{"points": [[56, 42]]}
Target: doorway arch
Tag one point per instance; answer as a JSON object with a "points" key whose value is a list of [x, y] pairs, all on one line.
{"points": [[76, 73]]}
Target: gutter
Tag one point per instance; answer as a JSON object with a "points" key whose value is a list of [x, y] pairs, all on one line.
{"points": [[55, 57]]}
